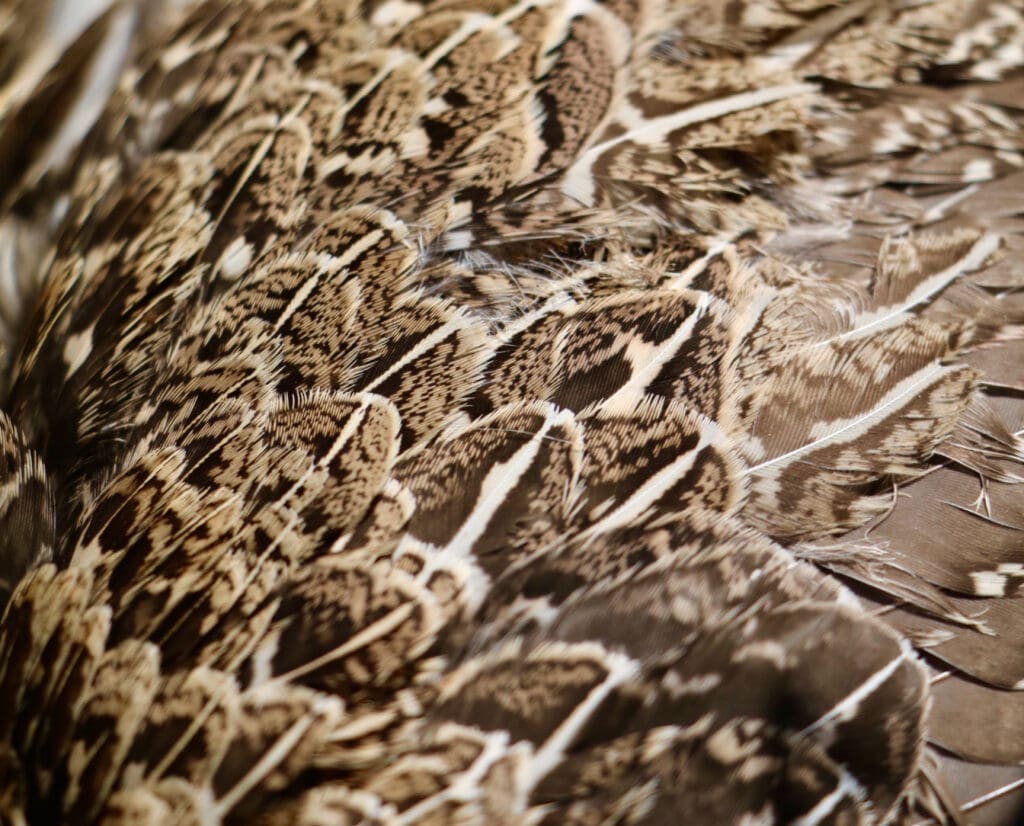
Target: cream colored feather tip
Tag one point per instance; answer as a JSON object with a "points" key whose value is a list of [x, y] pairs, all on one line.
{"points": [[477, 412]]}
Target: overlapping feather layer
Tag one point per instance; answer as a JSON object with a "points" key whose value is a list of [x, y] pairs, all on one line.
{"points": [[526, 413]]}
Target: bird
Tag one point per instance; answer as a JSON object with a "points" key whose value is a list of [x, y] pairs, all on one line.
{"points": [[513, 412]]}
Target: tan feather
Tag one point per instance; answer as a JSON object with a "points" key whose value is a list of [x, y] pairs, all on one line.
{"points": [[491, 412]]}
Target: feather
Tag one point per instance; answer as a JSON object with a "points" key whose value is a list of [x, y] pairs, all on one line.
{"points": [[978, 740], [513, 412], [26, 508]]}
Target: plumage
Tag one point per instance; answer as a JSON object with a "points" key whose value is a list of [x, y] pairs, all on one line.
{"points": [[492, 412]]}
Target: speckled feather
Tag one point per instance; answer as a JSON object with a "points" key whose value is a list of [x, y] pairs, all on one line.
{"points": [[493, 412]]}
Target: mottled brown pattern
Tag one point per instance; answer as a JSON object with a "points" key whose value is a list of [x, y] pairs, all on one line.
{"points": [[488, 412]]}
